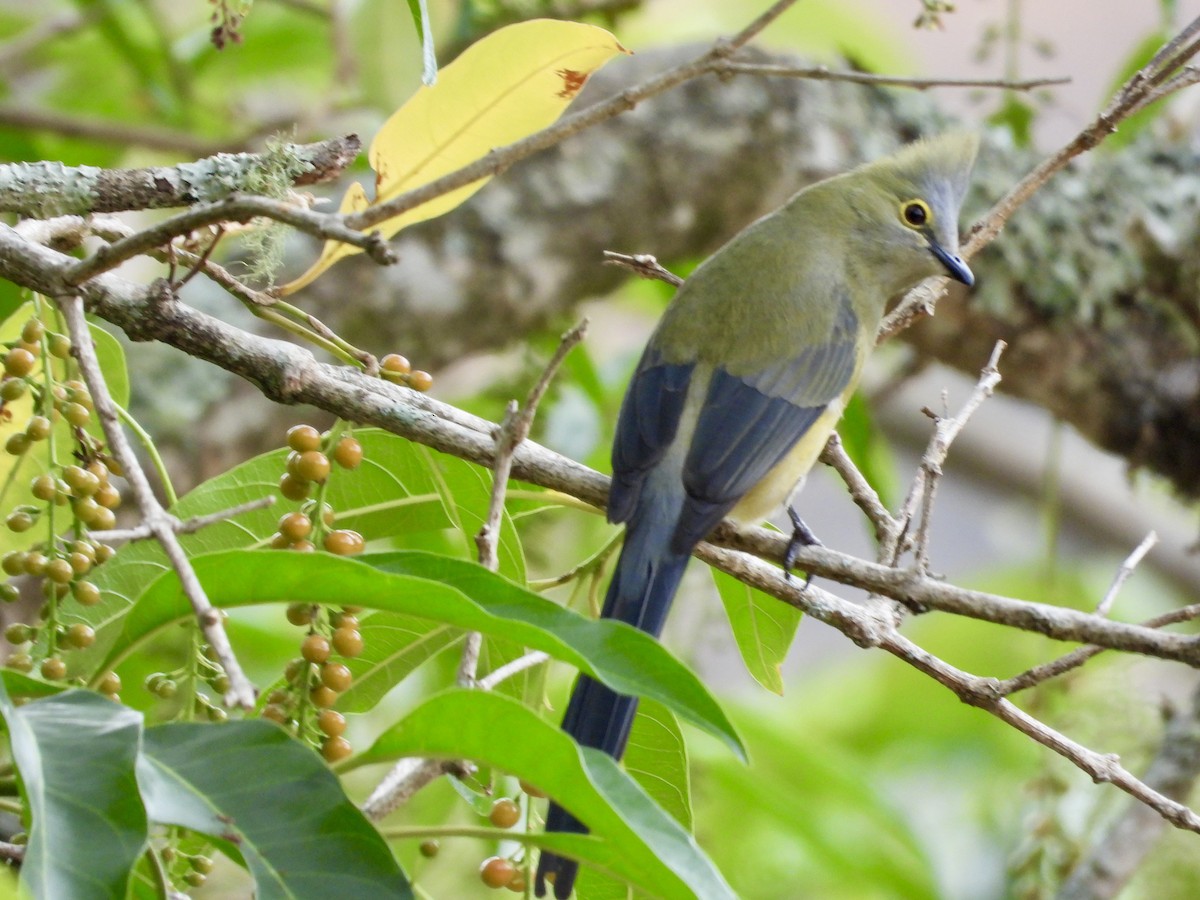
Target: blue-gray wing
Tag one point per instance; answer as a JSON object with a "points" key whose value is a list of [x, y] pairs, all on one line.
{"points": [[646, 426], [749, 423]]}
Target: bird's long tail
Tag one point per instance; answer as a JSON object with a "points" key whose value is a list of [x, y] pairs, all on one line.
{"points": [[643, 585]]}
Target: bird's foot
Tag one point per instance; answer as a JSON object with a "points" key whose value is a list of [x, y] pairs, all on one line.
{"points": [[802, 536]]}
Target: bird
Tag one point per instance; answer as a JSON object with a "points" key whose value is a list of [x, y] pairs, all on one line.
{"points": [[743, 380]]}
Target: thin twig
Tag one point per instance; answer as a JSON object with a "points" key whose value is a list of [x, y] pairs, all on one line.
{"points": [[1141, 89], [104, 130], [642, 264], [231, 209], [509, 669], [188, 526], [12, 853], [345, 51], [511, 433], [861, 492], [241, 691], [1119, 108], [404, 780], [1101, 767], [944, 433], [1124, 571], [823, 73], [1080, 655]]}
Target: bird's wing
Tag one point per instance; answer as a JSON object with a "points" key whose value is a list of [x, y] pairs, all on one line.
{"points": [[749, 423], [645, 428]]}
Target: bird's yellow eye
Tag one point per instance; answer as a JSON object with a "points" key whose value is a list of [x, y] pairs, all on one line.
{"points": [[916, 213]]}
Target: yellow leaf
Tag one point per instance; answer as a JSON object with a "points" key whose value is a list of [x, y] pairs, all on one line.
{"points": [[512, 83]]}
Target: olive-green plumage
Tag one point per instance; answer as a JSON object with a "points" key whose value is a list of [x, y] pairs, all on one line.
{"points": [[746, 376]]}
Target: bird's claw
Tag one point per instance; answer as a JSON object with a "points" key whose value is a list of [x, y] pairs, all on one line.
{"points": [[802, 536]]}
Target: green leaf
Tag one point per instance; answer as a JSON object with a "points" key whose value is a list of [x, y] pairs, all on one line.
{"points": [[656, 758], [613, 652], [457, 593], [393, 646], [1017, 116], [420, 17], [631, 836], [466, 491], [271, 801], [20, 685], [76, 753], [763, 627], [813, 813]]}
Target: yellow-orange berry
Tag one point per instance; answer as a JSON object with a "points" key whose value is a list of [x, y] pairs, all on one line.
{"points": [[19, 362], [348, 642], [331, 722], [322, 697], [86, 594], [335, 748], [496, 871], [108, 496], [80, 635], [303, 437], [300, 614], [394, 363], [348, 453], [294, 488], [344, 542], [54, 669], [532, 790], [505, 813], [336, 676], [295, 526], [311, 465], [315, 648]]}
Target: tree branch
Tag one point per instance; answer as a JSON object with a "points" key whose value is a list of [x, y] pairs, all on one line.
{"points": [[823, 73], [46, 189]]}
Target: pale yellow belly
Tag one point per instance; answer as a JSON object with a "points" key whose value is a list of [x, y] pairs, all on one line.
{"points": [[769, 494]]}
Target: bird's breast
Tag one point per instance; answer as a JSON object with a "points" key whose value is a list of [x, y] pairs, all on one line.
{"points": [[773, 490]]}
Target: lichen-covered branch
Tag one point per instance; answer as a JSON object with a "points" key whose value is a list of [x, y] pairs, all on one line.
{"points": [[45, 189]]}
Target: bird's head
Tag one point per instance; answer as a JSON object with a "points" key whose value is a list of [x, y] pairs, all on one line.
{"points": [[907, 207]]}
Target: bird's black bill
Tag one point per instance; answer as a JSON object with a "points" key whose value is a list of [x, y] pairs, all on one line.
{"points": [[955, 266]]}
